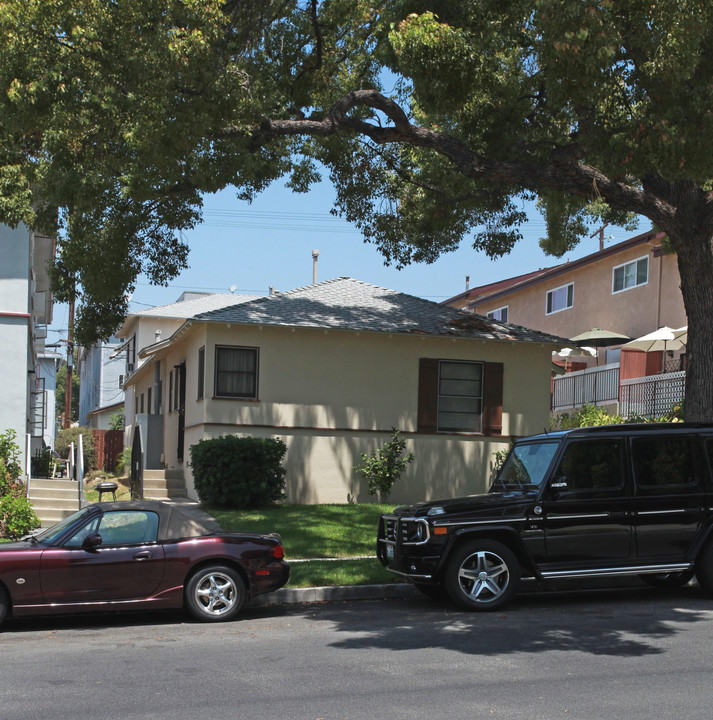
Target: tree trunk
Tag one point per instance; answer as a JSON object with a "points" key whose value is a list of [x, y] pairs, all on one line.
{"points": [[693, 242]]}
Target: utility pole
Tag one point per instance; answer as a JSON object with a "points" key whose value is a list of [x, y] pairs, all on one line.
{"points": [[600, 232], [70, 362]]}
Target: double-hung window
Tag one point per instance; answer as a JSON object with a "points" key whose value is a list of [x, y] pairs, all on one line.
{"points": [[630, 275], [236, 372], [560, 298]]}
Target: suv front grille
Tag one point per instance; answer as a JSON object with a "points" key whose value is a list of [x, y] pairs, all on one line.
{"points": [[406, 531]]}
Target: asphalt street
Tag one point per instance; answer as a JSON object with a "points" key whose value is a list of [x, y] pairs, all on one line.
{"points": [[625, 653]]}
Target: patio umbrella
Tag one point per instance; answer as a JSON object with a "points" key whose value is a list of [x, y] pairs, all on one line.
{"points": [[662, 339], [681, 335], [596, 337]]}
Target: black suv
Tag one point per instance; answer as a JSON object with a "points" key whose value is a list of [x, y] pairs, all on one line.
{"points": [[591, 502]]}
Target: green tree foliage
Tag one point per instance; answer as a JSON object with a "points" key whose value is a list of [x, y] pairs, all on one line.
{"points": [[385, 466], [434, 122]]}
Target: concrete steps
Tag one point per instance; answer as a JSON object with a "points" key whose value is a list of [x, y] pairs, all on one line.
{"points": [[164, 485], [53, 499]]}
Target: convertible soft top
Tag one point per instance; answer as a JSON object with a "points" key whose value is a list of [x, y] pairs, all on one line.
{"points": [[173, 524]]}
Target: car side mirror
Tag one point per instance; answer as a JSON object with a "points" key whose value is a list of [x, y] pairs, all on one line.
{"points": [[557, 485], [91, 542]]}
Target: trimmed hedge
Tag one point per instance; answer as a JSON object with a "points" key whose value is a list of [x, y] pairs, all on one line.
{"points": [[239, 472]]}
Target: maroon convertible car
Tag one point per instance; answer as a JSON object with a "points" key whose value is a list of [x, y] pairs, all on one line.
{"points": [[137, 555]]}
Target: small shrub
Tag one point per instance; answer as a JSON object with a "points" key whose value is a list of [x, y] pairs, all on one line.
{"points": [[124, 460], [71, 435], [586, 416], [117, 420], [17, 517], [235, 472], [10, 454], [384, 467]]}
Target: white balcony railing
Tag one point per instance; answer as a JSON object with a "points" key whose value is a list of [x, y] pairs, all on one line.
{"points": [[590, 386]]}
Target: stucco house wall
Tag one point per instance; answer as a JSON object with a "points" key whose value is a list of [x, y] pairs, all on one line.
{"points": [[632, 312]]}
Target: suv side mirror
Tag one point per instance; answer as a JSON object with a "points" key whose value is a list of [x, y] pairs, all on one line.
{"points": [[91, 542], [557, 485]]}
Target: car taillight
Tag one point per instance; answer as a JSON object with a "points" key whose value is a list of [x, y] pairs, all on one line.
{"points": [[277, 551]]}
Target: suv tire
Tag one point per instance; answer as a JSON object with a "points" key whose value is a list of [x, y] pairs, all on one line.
{"points": [[704, 568], [482, 575]]}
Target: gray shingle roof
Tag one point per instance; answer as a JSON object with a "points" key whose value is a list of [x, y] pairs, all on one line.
{"points": [[184, 309], [348, 304]]}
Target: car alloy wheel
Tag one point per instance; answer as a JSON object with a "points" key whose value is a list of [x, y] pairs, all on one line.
{"points": [[215, 593], [482, 575]]}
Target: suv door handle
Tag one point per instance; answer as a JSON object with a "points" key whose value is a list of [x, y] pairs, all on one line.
{"points": [[143, 555]]}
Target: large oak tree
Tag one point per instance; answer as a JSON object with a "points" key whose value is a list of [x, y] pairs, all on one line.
{"points": [[433, 120]]}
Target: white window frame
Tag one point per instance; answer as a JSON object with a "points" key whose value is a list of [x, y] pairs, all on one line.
{"points": [[491, 314], [554, 290], [636, 284]]}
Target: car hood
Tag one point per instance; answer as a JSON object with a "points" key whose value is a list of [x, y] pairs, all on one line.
{"points": [[492, 503]]}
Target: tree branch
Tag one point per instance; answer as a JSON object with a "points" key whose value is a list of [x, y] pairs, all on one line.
{"points": [[564, 173]]}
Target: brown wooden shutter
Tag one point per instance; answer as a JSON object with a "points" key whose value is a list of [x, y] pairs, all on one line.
{"points": [[427, 395], [492, 398]]}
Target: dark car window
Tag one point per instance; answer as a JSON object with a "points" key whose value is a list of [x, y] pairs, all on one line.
{"points": [[125, 527], [526, 466], [592, 466], [664, 464]]}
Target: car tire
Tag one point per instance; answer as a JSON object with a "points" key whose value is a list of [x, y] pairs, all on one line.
{"points": [[668, 580], [215, 593], [482, 575], [4, 604], [704, 568]]}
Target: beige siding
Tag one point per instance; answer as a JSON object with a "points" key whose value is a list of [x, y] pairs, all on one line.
{"points": [[633, 312]]}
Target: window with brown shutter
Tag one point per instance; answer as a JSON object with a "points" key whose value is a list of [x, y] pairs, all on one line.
{"points": [[460, 396]]}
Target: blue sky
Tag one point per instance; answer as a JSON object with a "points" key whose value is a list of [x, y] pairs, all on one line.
{"points": [[270, 242]]}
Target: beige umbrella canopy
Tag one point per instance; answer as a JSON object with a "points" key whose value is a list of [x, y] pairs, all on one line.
{"points": [[665, 338], [596, 337]]}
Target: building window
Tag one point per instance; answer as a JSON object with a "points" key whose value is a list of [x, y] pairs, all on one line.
{"points": [[560, 298], [460, 396], [236, 370], [201, 372], [501, 314], [149, 399], [141, 403], [630, 275]]}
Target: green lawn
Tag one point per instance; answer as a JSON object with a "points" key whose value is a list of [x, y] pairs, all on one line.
{"points": [[319, 531]]}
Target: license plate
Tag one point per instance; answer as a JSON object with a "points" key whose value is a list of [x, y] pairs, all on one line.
{"points": [[390, 552]]}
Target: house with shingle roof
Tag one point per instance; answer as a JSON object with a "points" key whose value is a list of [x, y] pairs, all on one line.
{"points": [[331, 368]]}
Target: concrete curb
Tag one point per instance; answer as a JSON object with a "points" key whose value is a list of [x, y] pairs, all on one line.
{"points": [[292, 596]]}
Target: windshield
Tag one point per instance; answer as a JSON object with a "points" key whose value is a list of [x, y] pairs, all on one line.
{"points": [[52, 533], [526, 467]]}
